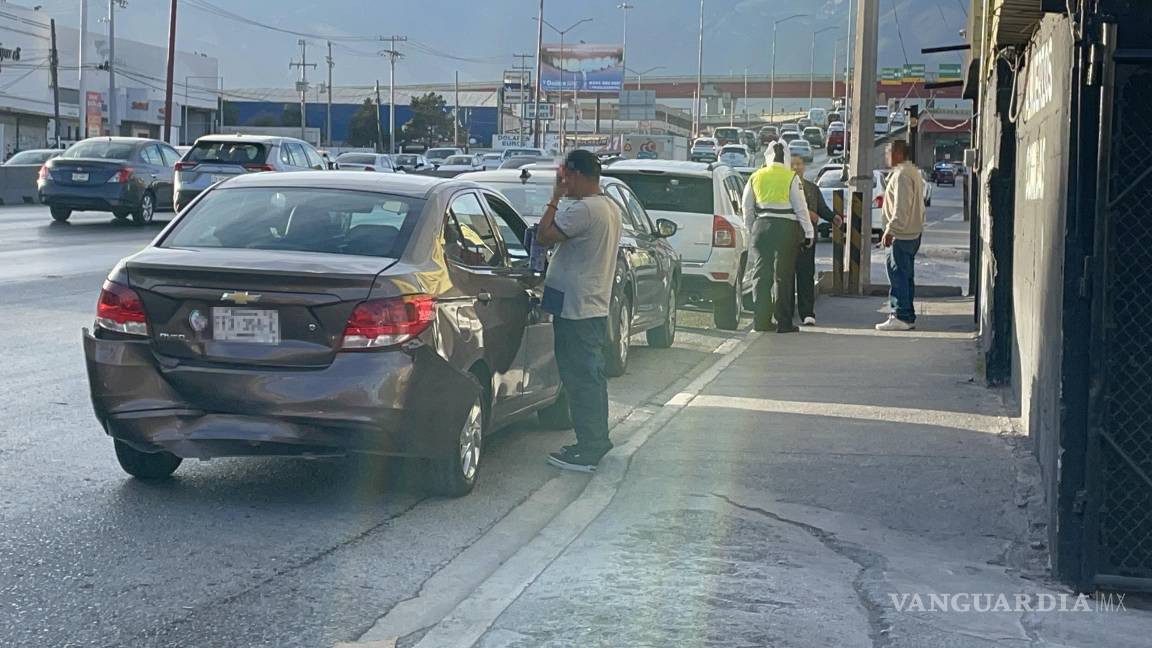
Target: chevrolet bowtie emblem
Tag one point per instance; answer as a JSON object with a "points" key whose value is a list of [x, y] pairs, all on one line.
{"points": [[240, 298]]}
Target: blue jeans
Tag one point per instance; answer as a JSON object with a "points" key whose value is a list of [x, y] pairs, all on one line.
{"points": [[580, 360], [902, 278]]}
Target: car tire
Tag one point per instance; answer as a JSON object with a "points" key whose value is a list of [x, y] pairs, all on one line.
{"points": [[727, 305], [60, 214], [558, 415], [146, 210], [149, 466], [664, 336], [618, 349], [456, 476]]}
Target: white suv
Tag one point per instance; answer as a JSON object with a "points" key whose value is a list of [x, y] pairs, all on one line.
{"points": [[704, 202]]}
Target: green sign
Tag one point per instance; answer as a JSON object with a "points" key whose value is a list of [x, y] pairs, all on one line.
{"points": [[950, 71], [915, 72]]}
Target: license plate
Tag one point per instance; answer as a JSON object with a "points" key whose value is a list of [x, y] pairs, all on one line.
{"points": [[246, 325], [79, 177], [219, 178]]}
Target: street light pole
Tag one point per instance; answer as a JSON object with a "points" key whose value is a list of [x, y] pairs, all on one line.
{"points": [[812, 67], [536, 141], [745, 97], [562, 32], [625, 7], [772, 86], [697, 117]]}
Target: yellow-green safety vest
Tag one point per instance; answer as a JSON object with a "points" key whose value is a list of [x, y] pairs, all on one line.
{"points": [[773, 185]]}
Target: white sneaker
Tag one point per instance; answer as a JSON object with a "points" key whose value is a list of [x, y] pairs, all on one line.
{"points": [[895, 324], [809, 321]]}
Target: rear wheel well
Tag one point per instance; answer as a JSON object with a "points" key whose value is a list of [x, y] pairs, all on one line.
{"points": [[484, 375]]}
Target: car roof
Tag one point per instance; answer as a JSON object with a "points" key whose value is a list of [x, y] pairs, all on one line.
{"points": [[416, 186], [537, 174], [699, 169], [122, 140], [240, 137]]}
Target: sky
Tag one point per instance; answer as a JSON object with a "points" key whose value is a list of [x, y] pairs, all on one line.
{"points": [[478, 38]]}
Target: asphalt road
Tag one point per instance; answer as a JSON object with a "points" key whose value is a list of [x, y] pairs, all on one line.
{"points": [[252, 552]]}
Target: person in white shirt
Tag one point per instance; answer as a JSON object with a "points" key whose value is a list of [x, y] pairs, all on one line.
{"points": [[903, 230], [777, 217]]}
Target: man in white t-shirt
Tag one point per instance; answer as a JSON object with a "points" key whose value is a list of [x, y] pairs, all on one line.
{"points": [[577, 292]]}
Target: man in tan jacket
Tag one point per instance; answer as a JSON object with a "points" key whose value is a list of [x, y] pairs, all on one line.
{"points": [[903, 229]]}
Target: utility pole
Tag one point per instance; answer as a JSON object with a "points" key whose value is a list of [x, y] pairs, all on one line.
{"points": [[745, 97], [113, 121], [54, 69], [772, 84], [328, 113], [862, 136], [379, 122], [80, 64], [812, 68], [536, 141], [848, 63], [302, 85], [393, 54], [624, 7], [697, 118], [456, 113], [171, 70], [525, 77]]}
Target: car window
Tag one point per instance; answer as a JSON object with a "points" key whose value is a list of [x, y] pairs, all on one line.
{"points": [[151, 155], [171, 157], [314, 159], [108, 150], [639, 216], [626, 216], [665, 192], [511, 228], [734, 185], [468, 236], [297, 155], [357, 158], [332, 221], [229, 152]]}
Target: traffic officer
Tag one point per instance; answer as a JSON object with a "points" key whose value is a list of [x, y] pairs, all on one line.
{"points": [[777, 216]]}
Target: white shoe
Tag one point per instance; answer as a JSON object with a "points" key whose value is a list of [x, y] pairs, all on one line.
{"points": [[809, 321], [895, 324]]}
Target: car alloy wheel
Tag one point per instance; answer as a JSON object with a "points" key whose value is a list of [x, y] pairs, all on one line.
{"points": [[625, 333], [471, 440], [147, 209]]}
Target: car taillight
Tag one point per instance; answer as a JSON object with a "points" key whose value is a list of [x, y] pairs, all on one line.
{"points": [[379, 323], [723, 233], [184, 166], [259, 167], [121, 310], [878, 202], [44, 175], [123, 174]]}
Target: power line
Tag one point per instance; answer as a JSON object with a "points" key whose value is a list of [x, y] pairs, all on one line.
{"points": [[899, 31], [963, 9]]}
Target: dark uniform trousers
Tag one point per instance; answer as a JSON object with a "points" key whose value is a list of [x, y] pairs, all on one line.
{"points": [[777, 243]]}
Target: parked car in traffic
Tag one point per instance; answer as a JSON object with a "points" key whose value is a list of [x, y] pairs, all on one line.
{"points": [[704, 149], [437, 156], [735, 155], [518, 162], [457, 164], [946, 175], [644, 295], [215, 158], [376, 162], [803, 123], [32, 157], [837, 136], [768, 134], [750, 140], [523, 151], [727, 135], [814, 136], [128, 176], [802, 148], [492, 161], [319, 314], [790, 133], [704, 200], [410, 162]]}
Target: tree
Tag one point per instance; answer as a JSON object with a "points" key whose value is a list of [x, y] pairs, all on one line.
{"points": [[290, 116], [431, 123], [362, 129]]}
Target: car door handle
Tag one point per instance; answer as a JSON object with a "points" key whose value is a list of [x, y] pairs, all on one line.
{"points": [[484, 296]]}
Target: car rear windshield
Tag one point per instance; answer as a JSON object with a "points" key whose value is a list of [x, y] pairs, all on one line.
{"points": [[461, 160], [228, 152], [332, 221], [812, 131], [357, 158], [511, 153], [665, 192], [100, 149], [733, 149], [727, 133], [530, 199]]}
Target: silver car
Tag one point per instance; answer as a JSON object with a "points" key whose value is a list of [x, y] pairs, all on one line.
{"points": [[378, 162], [215, 158]]}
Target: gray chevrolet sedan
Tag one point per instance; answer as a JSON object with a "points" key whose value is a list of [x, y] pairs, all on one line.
{"points": [[325, 313]]}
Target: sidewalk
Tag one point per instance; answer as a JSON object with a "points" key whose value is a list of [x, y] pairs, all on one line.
{"points": [[815, 478]]}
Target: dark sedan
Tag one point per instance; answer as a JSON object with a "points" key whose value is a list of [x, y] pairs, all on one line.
{"points": [[325, 313], [128, 176], [647, 268]]}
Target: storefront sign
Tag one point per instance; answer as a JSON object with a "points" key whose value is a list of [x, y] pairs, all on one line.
{"points": [[94, 110]]}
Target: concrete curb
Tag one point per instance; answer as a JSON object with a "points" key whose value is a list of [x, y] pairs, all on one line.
{"points": [[476, 613], [824, 287]]}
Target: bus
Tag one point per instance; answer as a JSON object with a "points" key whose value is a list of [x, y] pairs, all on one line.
{"points": [[881, 120]]}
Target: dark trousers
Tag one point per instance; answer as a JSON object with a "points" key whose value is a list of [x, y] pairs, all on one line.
{"points": [[776, 243], [902, 278], [806, 282], [580, 359]]}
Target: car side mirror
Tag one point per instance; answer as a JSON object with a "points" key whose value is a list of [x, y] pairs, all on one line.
{"points": [[665, 228]]}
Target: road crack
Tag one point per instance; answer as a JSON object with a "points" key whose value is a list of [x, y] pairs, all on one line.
{"points": [[871, 572]]}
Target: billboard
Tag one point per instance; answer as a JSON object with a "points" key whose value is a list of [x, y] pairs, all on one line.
{"points": [[582, 67]]}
